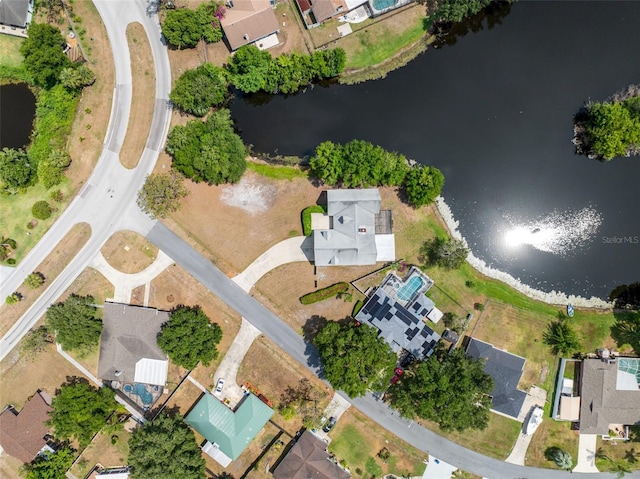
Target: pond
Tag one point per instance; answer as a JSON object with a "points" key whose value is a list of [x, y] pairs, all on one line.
{"points": [[494, 113], [17, 109]]}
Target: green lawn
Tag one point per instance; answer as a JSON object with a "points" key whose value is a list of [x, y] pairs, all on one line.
{"points": [[277, 172], [10, 50]]}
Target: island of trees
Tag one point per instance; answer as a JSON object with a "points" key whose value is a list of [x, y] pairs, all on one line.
{"points": [[604, 130]]}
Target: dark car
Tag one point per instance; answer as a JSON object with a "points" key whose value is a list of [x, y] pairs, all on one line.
{"points": [[329, 425]]}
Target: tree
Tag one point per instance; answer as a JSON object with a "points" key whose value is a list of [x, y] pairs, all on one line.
{"points": [[6, 246], [561, 337], [612, 130], [446, 253], [165, 448], [15, 168], [51, 465], [626, 296], [452, 391], [189, 337], [44, 58], [36, 341], [354, 358], [41, 210], [422, 185], [626, 330], [34, 280], [208, 151], [184, 27], [249, 67], [77, 77], [51, 169], [562, 459], [81, 410], [458, 10], [197, 90], [13, 298], [161, 194], [74, 322]]}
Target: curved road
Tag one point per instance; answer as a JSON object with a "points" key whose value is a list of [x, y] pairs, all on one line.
{"points": [[107, 203]]}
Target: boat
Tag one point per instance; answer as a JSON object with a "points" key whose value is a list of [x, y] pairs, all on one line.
{"points": [[534, 420], [570, 310]]}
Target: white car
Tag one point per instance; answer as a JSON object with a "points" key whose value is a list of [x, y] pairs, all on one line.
{"points": [[219, 386]]}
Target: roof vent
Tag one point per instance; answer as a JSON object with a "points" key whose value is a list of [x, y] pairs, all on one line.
{"points": [[246, 36], [117, 373]]}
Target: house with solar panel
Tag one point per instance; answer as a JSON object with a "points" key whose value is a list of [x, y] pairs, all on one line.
{"points": [[354, 231], [131, 362], [228, 432], [398, 309], [506, 370]]}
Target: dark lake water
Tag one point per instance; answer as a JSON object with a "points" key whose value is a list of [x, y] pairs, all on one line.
{"points": [[17, 108], [494, 113]]}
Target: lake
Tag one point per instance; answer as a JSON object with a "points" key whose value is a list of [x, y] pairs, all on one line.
{"points": [[17, 108], [494, 113]]}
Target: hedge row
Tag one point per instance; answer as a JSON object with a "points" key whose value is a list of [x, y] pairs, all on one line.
{"points": [[324, 293], [306, 218]]}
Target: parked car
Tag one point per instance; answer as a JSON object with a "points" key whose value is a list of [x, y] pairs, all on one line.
{"points": [[328, 426], [219, 386], [396, 376]]}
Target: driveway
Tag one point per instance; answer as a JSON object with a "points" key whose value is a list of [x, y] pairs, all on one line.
{"points": [[438, 469], [587, 445], [336, 408]]}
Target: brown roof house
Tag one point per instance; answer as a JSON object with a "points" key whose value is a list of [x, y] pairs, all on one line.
{"points": [[23, 434], [250, 21], [130, 359], [610, 393], [308, 459]]}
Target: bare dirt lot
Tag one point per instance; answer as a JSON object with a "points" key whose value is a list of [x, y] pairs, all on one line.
{"points": [[129, 252]]}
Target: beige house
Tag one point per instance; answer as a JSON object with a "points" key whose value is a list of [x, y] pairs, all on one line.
{"points": [[250, 21]]}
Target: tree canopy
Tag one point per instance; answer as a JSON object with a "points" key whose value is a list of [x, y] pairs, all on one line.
{"points": [[354, 358], [199, 89], [423, 184], [15, 168], [626, 330], [77, 77], [161, 194], [561, 337], [189, 337], [184, 27], [208, 151], [75, 323], [51, 465], [51, 169], [165, 448], [81, 410], [562, 459], [613, 128], [458, 10], [254, 70], [43, 52], [446, 253], [452, 391]]}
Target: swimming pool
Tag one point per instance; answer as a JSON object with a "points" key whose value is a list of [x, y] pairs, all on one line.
{"points": [[139, 390], [383, 4], [407, 291]]}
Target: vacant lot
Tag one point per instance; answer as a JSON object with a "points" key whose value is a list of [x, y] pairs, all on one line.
{"points": [[357, 440], [551, 434], [50, 268], [143, 96], [129, 252]]}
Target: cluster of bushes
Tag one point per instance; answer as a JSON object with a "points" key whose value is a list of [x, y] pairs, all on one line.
{"points": [[458, 10], [613, 128], [362, 164], [325, 293], [209, 151], [184, 27], [306, 218], [255, 70], [199, 89]]}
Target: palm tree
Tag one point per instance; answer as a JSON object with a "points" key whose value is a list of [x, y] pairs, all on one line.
{"points": [[561, 337], [562, 459]]}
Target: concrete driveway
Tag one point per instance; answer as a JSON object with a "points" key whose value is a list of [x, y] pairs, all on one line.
{"points": [[336, 408], [587, 445]]}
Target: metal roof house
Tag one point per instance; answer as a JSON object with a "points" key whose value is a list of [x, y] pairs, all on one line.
{"points": [[308, 458], [228, 432], [16, 13], [506, 370], [610, 394], [23, 434], [250, 21], [397, 309], [129, 352], [355, 230]]}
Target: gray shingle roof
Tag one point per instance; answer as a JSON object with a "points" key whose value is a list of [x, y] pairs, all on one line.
{"points": [[14, 12], [601, 403], [506, 370], [128, 335], [308, 459]]}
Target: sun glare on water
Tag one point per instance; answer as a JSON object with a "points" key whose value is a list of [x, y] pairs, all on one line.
{"points": [[557, 233]]}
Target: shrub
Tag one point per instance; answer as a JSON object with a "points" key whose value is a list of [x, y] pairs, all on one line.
{"points": [[34, 280], [357, 307], [469, 284], [325, 293], [13, 298], [41, 210], [11, 261], [478, 306], [288, 412], [57, 196], [306, 217]]}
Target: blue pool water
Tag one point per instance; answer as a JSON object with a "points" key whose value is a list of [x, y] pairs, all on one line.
{"points": [[408, 290], [383, 4], [139, 390]]}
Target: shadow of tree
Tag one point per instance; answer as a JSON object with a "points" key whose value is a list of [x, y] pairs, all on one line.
{"points": [[313, 326], [626, 330]]}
